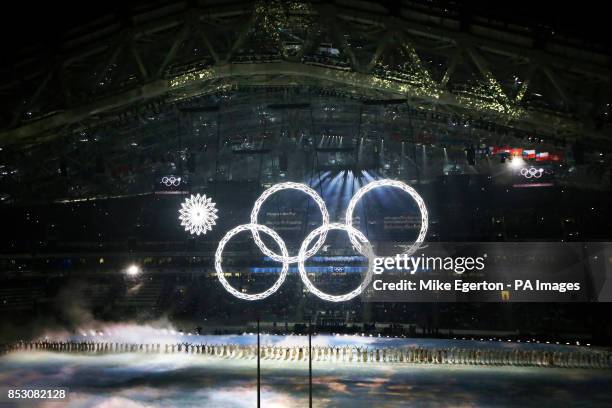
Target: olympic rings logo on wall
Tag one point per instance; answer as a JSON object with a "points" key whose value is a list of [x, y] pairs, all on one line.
{"points": [[318, 235], [170, 181], [531, 172]]}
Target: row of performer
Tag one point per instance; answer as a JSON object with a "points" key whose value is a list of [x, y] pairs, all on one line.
{"points": [[358, 354]]}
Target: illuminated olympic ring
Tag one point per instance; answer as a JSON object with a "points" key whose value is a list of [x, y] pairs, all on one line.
{"points": [[285, 186], [368, 253], [221, 274], [402, 186], [171, 181], [359, 241], [531, 172]]}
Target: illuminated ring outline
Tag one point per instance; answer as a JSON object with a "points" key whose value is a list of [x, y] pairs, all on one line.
{"points": [[171, 181], [352, 232], [531, 172], [402, 186], [219, 259], [286, 186]]}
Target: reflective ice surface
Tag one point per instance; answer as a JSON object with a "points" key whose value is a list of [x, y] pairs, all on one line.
{"points": [[157, 380]]}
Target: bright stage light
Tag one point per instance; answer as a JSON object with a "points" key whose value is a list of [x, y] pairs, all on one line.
{"points": [[133, 270], [517, 162], [198, 214], [396, 184]]}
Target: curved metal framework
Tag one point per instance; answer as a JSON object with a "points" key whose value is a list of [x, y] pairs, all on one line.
{"points": [[434, 58]]}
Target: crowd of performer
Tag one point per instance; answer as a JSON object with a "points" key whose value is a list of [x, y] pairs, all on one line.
{"points": [[580, 358]]}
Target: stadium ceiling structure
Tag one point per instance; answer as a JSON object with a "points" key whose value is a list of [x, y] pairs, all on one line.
{"points": [[433, 58]]}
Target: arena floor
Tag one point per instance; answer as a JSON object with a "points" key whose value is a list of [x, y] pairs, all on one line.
{"points": [[137, 380]]}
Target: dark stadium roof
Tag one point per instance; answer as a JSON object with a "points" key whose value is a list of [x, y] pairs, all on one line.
{"points": [[82, 86]]}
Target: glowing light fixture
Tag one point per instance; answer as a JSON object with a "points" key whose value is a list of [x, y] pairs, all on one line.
{"points": [[517, 162], [133, 270]]}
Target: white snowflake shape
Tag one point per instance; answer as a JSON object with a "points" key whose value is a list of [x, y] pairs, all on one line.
{"points": [[198, 214]]}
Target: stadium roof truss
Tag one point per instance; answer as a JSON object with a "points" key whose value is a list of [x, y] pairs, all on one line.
{"points": [[436, 59]]}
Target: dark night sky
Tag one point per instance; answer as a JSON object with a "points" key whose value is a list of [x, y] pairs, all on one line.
{"points": [[27, 22]]}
